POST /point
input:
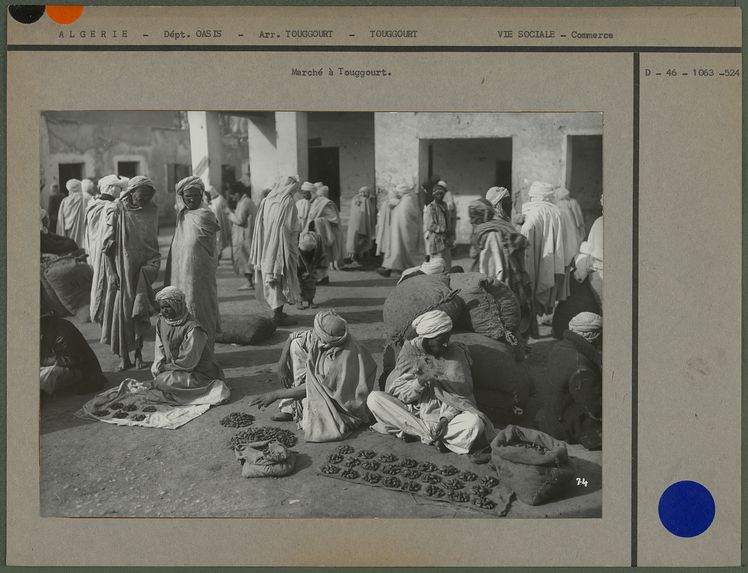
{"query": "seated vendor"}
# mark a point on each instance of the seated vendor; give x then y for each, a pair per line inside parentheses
(182, 357)
(327, 376)
(573, 404)
(429, 394)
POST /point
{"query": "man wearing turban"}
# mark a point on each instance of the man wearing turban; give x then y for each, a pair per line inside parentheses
(275, 249)
(326, 376)
(71, 218)
(399, 235)
(183, 357)
(589, 262)
(498, 250)
(99, 229)
(362, 223)
(439, 226)
(546, 250)
(324, 218)
(311, 258)
(131, 248)
(429, 394)
(193, 257)
(242, 230)
(573, 405)
(220, 208)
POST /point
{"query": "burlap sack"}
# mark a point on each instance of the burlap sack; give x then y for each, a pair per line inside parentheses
(412, 298)
(535, 477)
(245, 331)
(70, 280)
(265, 459)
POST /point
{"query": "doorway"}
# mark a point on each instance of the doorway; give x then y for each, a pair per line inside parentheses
(68, 171)
(324, 165)
(128, 169)
(584, 174)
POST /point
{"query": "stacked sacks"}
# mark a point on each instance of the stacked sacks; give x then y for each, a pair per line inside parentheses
(502, 384)
(412, 298)
(491, 308)
(66, 285)
(409, 300)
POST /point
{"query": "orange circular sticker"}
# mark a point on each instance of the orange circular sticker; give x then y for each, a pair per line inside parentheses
(64, 14)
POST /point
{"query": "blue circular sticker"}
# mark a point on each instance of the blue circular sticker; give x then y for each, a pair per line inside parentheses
(686, 509)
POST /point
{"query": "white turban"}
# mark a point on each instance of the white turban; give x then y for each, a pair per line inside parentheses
(88, 187)
(318, 184)
(306, 186)
(323, 191)
(112, 185)
(541, 191)
(495, 195)
(177, 300)
(434, 267)
(441, 183)
(587, 325)
(403, 189)
(432, 324)
(73, 185)
(561, 193)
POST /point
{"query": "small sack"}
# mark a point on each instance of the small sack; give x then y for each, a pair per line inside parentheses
(69, 278)
(245, 331)
(532, 464)
(265, 459)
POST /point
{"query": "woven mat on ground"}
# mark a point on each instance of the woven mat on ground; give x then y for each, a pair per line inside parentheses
(465, 489)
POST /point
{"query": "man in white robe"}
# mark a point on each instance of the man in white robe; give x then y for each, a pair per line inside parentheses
(546, 251)
(589, 262)
(401, 232)
(71, 218)
(275, 249)
(99, 231)
(429, 394)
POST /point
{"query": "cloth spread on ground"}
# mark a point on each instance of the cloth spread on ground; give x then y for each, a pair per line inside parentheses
(275, 249)
(338, 378)
(134, 245)
(192, 263)
(71, 218)
(159, 407)
(362, 223)
(471, 490)
(242, 231)
(99, 232)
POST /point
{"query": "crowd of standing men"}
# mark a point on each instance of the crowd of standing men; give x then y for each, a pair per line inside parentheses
(285, 246)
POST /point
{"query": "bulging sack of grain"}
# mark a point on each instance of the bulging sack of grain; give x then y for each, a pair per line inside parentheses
(532, 464)
(245, 331)
(69, 278)
(412, 298)
(491, 308)
(265, 459)
(502, 384)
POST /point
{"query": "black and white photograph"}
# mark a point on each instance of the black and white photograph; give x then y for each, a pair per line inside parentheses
(308, 314)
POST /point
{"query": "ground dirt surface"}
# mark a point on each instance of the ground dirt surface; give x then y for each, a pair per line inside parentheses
(90, 468)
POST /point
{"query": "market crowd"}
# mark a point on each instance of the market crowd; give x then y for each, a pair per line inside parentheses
(285, 247)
